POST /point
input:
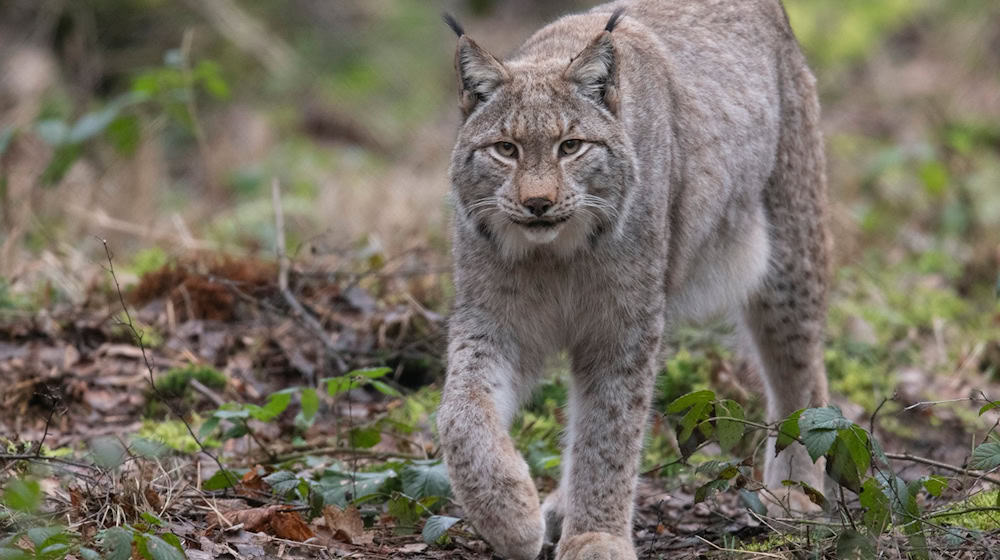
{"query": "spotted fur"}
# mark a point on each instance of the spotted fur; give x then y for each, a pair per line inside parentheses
(699, 190)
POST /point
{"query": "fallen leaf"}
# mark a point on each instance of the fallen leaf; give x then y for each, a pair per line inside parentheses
(273, 520)
(289, 525)
(413, 547)
(346, 525)
(253, 481)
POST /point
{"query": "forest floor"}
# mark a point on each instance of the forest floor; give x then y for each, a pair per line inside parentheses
(81, 416)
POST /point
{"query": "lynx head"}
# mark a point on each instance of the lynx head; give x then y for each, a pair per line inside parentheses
(541, 160)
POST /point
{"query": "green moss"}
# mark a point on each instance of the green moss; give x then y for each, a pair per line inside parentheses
(174, 434)
(175, 382)
(963, 514)
(148, 260)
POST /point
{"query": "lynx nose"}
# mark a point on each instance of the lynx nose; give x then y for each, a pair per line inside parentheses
(538, 205)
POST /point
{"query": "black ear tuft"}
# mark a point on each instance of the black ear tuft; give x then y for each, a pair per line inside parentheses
(614, 19)
(454, 25)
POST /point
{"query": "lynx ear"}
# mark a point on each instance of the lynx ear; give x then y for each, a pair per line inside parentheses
(595, 70)
(479, 72)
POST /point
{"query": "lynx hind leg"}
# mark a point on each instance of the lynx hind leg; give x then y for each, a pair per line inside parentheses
(787, 315)
(788, 337)
(489, 477)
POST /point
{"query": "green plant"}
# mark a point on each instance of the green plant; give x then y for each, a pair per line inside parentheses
(854, 460)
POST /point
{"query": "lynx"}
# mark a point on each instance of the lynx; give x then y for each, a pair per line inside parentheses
(637, 165)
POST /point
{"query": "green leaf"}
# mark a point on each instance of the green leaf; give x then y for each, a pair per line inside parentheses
(282, 482)
(174, 541)
(160, 549)
(152, 520)
(148, 448)
(276, 404)
(904, 506)
(209, 426)
(236, 431)
(386, 389)
(697, 414)
(841, 465)
(117, 543)
(208, 74)
(407, 513)
(729, 432)
(124, 134)
(340, 488)
(991, 405)
(818, 442)
(221, 480)
(364, 438)
(426, 478)
(88, 553)
(63, 158)
(852, 545)
(985, 457)
(371, 373)
(14, 554)
(23, 495)
(52, 551)
(691, 399)
(233, 413)
(108, 452)
(52, 131)
(40, 536)
(935, 484)
(825, 418)
(310, 403)
(436, 527)
(338, 385)
(788, 431)
(752, 502)
(94, 123)
(703, 492)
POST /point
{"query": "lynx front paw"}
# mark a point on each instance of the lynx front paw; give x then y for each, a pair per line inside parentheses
(595, 546)
(517, 538)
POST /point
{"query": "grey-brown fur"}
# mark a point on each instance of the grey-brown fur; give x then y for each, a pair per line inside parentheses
(699, 190)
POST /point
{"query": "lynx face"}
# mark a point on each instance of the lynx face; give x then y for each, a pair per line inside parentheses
(538, 162)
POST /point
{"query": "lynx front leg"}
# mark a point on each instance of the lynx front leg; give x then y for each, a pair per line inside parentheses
(609, 403)
(489, 477)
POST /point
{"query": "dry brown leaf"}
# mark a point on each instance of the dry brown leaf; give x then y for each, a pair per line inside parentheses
(253, 481)
(273, 520)
(346, 525)
(289, 525)
(412, 547)
(253, 519)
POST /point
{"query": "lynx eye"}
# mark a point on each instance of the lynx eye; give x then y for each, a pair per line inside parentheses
(570, 147)
(506, 149)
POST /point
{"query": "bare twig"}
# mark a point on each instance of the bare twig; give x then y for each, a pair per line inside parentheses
(940, 465)
(145, 358)
(311, 323)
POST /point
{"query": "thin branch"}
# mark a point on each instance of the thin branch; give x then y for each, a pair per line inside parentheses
(940, 465)
(145, 358)
(311, 323)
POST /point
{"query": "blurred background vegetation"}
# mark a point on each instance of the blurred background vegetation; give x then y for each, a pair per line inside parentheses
(159, 124)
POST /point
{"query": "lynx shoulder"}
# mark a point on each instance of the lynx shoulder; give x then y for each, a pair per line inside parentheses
(627, 168)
